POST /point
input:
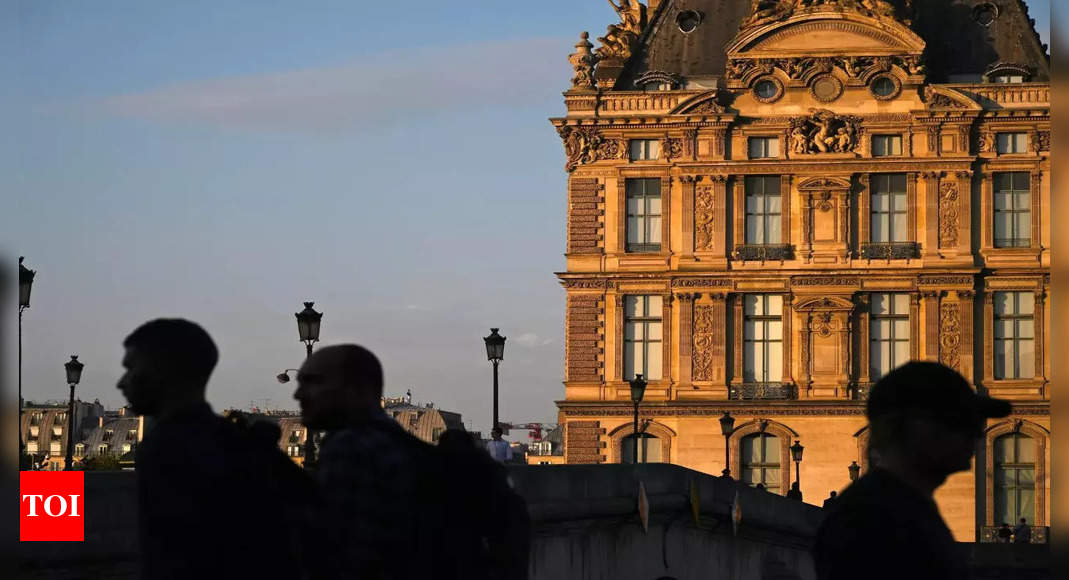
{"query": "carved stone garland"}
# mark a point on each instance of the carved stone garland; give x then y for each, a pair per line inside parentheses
(583, 145)
(704, 330)
(704, 215)
(949, 213)
(950, 335)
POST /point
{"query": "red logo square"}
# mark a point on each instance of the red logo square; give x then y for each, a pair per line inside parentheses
(52, 506)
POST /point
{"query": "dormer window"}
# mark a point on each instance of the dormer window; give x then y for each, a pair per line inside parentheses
(1008, 73)
(658, 81)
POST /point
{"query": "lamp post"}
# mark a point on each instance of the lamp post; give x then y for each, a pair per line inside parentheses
(854, 469)
(796, 454)
(638, 391)
(495, 353)
(74, 376)
(25, 286)
(727, 426)
(308, 329)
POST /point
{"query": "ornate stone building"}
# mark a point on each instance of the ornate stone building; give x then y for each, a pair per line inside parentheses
(772, 203)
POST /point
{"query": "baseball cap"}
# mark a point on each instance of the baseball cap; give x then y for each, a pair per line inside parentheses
(935, 390)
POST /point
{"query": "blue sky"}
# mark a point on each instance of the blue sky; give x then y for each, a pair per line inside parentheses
(224, 161)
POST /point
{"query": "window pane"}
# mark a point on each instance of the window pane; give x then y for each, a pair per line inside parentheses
(1025, 328)
(653, 205)
(633, 360)
(653, 359)
(880, 231)
(1024, 227)
(655, 230)
(633, 331)
(771, 445)
(1002, 142)
(1026, 449)
(1026, 363)
(901, 352)
(635, 235)
(1027, 506)
(1004, 303)
(772, 230)
(1003, 181)
(879, 146)
(1001, 358)
(775, 305)
(654, 308)
(653, 331)
(773, 147)
(772, 479)
(636, 150)
(1004, 450)
(1020, 143)
(756, 147)
(1026, 302)
(750, 305)
(880, 303)
(754, 230)
(775, 330)
(775, 362)
(747, 449)
(899, 228)
(1003, 512)
(633, 306)
(1021, 181)
(651, 447)
(1003, 329)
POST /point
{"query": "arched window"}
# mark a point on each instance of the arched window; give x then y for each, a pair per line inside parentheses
(649, 449)
(760, 455)
(1015, 478)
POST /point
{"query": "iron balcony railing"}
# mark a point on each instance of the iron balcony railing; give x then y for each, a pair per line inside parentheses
(763, 392)
(989, 535)
(890, 250)
(764, 252)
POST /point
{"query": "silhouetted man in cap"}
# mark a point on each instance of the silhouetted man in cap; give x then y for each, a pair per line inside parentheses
(924, 420)
(215, 501)
(381, 485)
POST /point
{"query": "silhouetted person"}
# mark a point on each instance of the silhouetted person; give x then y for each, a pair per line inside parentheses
(924, 420)
(1022, 533)
(490, 519)
(499, 449)
(760, 486)
(382, 486)
(213, 500)
(794, 492)
(1004, 533)
(831, 499)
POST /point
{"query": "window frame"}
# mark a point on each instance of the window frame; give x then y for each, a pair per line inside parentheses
(1016, 317)
(1017, 143)
(645, 320)
(650, 145)
(646, 218)
(770, 147)
(768, 217)
(1015, 241)
(749, 372)
(763, 466)
(891, 139)
(892, 317)
(891, 213)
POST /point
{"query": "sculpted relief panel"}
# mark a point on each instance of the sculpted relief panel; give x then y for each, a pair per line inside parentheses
(824, 132)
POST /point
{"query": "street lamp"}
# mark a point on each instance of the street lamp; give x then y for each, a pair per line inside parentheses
(25, 286)
(308, 330)
(638, 390)
(854, 469)
(727, 426)
(74, 376)
(308, 326)
(796, 454)
(495, 353)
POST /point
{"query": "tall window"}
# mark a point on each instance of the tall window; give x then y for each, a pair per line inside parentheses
(642, 337)
(643, 215)
(1015, 350)
(649, 449)
(645, 149)
(763, 209)
(1015, 479)
(888, 333)
(1013, 210)
(886, 145)
(1007, 79)
(889, 213)
(760, 455)
(1011, 143)
(55, 448)
(762, 338)
(763, 147)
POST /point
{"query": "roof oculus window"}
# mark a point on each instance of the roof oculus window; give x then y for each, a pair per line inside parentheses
(688, 21)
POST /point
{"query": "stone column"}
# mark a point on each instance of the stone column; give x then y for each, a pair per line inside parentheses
(930, 211)
(686, 337)
(666, 215)
(719, 358)
(788, 314)
(1039, 341)
(931, 324)
(785, 194)
(738, 373)
(987, 206)
(914, 325)
(1035, 181)
(964, 212)
(618, 336)
(968, 334)
(804, 336)
(864, 311)
(688, 213)
(988, 346)
(864, 205)
(666, 340)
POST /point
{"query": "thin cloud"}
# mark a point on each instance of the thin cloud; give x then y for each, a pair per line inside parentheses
(380, 89)
(532, 340)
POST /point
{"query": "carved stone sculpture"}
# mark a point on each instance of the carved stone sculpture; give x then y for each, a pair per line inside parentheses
(948, 214)
(824, 132)
(583, 61)
(620, 39)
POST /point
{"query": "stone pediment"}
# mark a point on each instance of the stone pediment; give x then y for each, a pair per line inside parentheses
(824, 303)
(822, 184)
(826, 34)
(944, 98)
(703, 104)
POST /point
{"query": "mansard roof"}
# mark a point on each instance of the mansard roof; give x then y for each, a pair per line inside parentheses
(959, 46)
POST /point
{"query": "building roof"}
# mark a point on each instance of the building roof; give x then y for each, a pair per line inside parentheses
(960, 47)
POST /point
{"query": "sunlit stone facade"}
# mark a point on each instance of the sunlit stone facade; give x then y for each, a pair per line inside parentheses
(770, 207)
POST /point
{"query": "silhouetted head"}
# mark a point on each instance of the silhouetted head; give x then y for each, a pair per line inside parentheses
(834, 493)
(928, 414)
(168, 362)
(457, 441)
(495, 433)
(1024, 520)
(338, 386)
